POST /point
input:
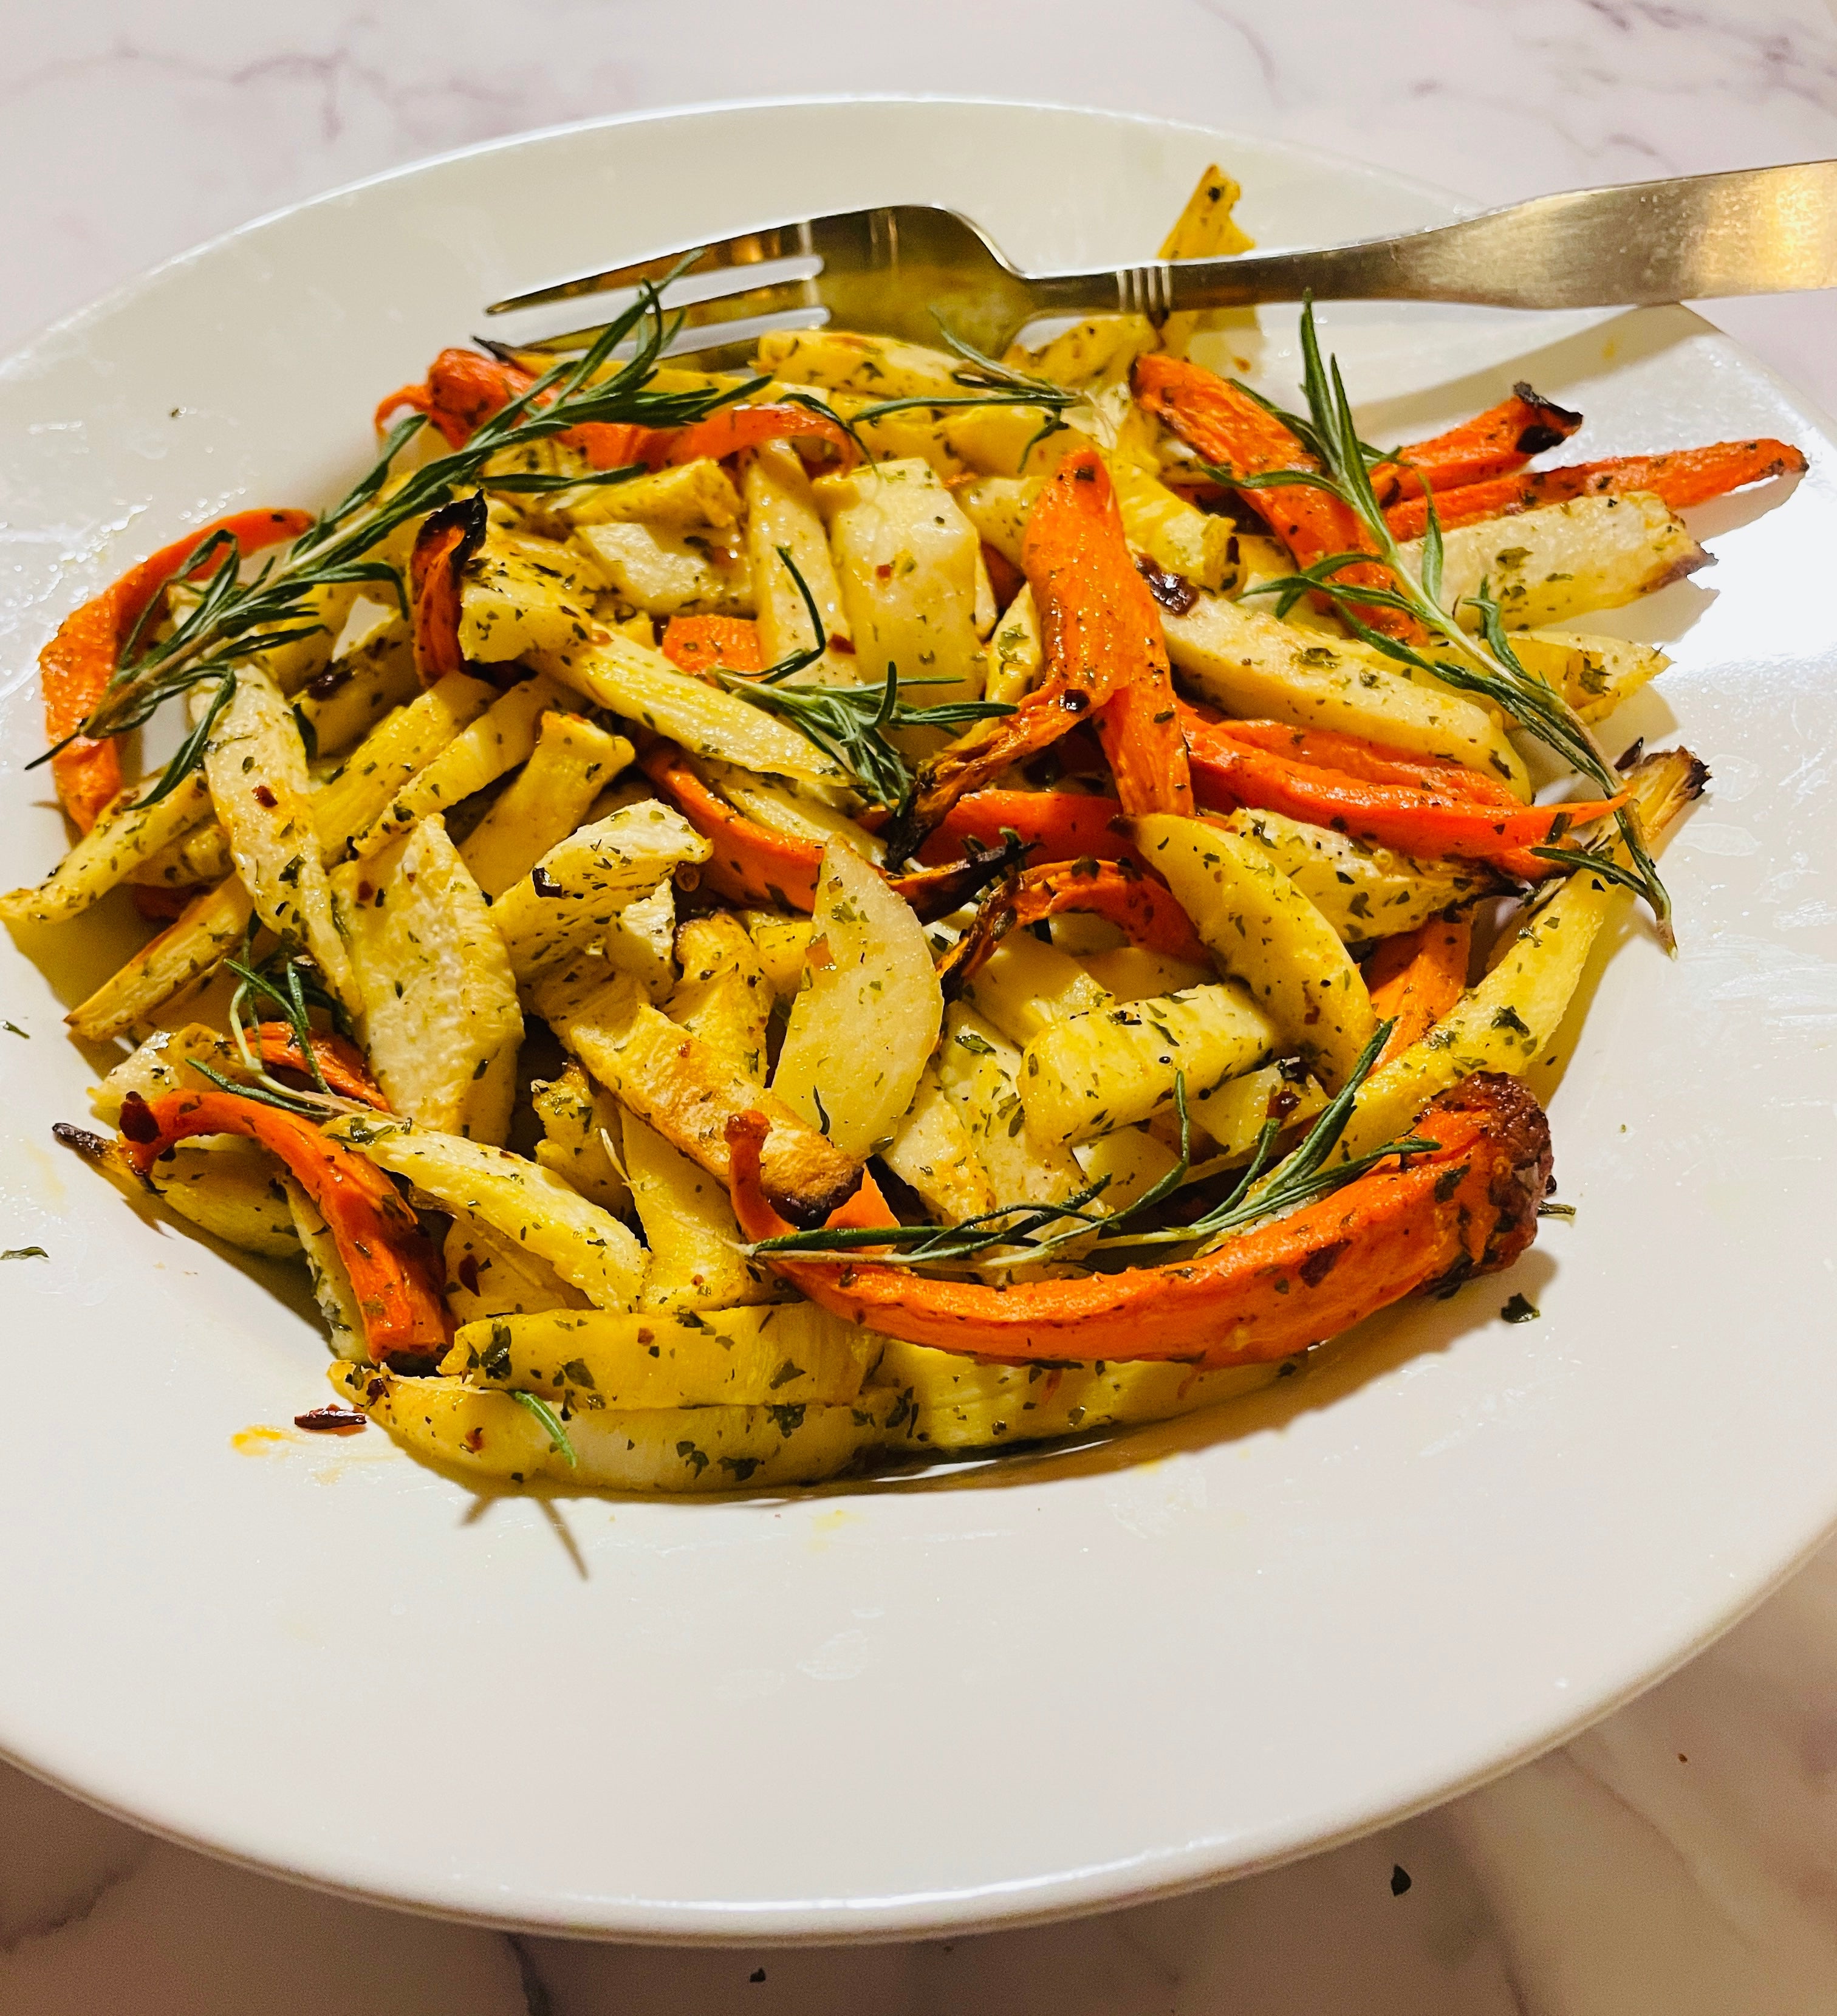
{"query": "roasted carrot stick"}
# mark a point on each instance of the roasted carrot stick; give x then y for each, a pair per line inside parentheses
(1059, 826)
(701, 644)
(341, 1064)
(1327, 749)
(750, 863)
(1681, 478)
(1504, 436)
(1103, 641)
(1415, 979)
(391, 1266)
(1228, 774)
(1138, 904)
(1468, 1207)
(1231, 430)
(75, 667)
(730, 429)
(447, 539)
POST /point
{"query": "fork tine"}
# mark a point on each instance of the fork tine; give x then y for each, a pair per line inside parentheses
(748, 304)
(746, 248)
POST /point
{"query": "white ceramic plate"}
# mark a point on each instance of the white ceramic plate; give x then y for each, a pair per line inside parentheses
(1027, 1689)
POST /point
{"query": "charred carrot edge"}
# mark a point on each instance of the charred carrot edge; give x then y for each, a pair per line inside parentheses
(1135, 902)
(1680, 479)
(731, 429)
(1415, 979)
(1231, 430)
(75, 667)
(1415, 821)
(391, 1268)
(749, 864)
(447, 539)
(700, 644)
(340, 1064)
(1372, 762)
(1504, 436)
(1468, 1207)
(1060, 826)
(1101, 633)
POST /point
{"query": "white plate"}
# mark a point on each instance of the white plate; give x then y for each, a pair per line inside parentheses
(1041, 1686)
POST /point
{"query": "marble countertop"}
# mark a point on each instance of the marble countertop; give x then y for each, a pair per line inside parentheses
(1682, 1857)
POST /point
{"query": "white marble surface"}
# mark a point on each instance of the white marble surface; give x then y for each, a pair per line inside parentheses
(1682, 1859)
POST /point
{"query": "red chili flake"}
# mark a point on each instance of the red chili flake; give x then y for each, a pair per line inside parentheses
(467, 1270)
(264, 797)
(544, 884)
(884, 571)
(332, 1421)
(137, 1122)
(364, 892)
(843, 645)
(474, 1439)
(376, 1389)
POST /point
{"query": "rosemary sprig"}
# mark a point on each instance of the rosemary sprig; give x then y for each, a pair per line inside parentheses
(850, 724)
(233, 620)
(1304, 1176)
(1485, 665)
(292, 984)
(550, 1421)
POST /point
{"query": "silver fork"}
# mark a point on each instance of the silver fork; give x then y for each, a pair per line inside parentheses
(904, 269)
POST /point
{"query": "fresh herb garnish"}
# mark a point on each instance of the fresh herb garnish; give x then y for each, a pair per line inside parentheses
(13, 1028)
(1520, 1308)
(1303, 1177)
(1485, 665)
(551, 1421)
(850, 724)
(231, 620)
(25, 1253)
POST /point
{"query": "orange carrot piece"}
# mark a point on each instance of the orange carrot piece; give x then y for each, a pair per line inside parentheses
(447, 539)
(1101, 633)
(701, 644)
(1229, 774)
(341, 1064)
(1680, 479)
(1138, 904)
(1232, 431)
(1415, 979)
(391, 1266)
(1504, 436)
(729, 429)
(750, 864)
(1327, 749)
(75, 667)
(1060, 826)
(1468, 1207)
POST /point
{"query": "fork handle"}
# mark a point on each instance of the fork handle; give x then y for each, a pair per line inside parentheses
(1752, 231)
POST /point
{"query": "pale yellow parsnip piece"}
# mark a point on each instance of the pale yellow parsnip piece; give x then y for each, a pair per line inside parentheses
(440, 1017)
(586, 1247)
(124, 838)
(478, 1432)
(1546, 566)
(572, 763)
(863, 1024)
(630, 679)
(780, 1355)
(931, 1151)
(696, 1261)
(397, 748)
(256, 771)
(1086, 1074)
(495, 744)
(1261, 929)
(781, 512)
(188, 950)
